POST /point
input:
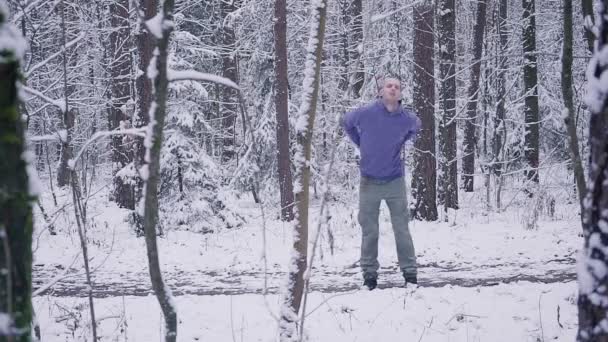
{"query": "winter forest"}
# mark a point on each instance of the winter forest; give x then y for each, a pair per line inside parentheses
(182, 170)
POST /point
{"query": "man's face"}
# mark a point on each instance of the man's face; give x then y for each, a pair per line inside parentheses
(391, 91)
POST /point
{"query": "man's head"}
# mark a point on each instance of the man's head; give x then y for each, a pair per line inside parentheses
(389, 89)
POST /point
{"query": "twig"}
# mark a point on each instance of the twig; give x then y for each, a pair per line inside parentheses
(140, 132)
(58, 278)
(540, 318)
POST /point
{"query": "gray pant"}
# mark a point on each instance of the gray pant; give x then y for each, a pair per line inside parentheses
(371, 193)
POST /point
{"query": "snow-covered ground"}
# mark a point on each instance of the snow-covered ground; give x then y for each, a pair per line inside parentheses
(471, 272)
(514, 312)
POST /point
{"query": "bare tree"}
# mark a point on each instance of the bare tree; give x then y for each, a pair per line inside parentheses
(448, 180)
(570, 117)
(501, 94)
(282, 109)
(532, 118)
(425, 175)
(355, 11)
(589, 22)
(305, 127)
(470, 134)
(16, 196)
(593, 265)
(229, 106)
(143, 84)
(120, 90)
(69, 112)
(158, 73)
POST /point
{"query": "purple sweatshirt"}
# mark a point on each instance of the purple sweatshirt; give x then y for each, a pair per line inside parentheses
(380, 135)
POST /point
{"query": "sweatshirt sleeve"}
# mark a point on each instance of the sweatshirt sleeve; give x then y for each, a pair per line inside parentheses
(350, 123)
(413, 128)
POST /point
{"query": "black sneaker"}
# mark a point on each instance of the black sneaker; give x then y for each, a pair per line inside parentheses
(370, 281)
(410, 279)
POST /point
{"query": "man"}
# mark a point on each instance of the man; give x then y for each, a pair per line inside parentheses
(379, 130)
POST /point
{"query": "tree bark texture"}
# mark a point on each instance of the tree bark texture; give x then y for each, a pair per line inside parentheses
(282, 110)
(230, 71)
(15, 206)
(143, 85)
(120, 70)
(308, 107)
(68, 117)
(593, 266)
(425, 174)
(577, 164)
(154, 141)
(446, 23)
(589, 22)
(470, 131)
(355, 48)
(531, 112)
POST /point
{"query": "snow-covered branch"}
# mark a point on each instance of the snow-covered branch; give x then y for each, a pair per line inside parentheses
(57, 103)
(140, 132)
(73, 42)
(192, 75)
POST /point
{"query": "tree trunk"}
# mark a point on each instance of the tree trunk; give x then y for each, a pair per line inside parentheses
(120, 69)
(282, 110)
(69, 114)
(229, 105)
(154, 141)
(145, 46)
(446, 22)
(531, 140)
(307, 112)
(593, 263)
(355, 48)
(569, 104)
(470, 134)
(15, 202)
(425, 174)
(499, 120)
(589, 23)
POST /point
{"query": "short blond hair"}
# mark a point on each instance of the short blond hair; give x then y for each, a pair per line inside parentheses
(380, 81)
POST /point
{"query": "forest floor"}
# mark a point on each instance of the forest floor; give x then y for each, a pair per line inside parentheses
(482, 276)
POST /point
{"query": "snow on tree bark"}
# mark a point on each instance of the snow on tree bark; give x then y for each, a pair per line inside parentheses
(470, 134)
(161, 27)
(16, 195)
(570, 117)
(593, 259)
(448, 178)
(282, 110)
(424, 177)
(304, 130)
(531, 111)
(143, 85)
(120, 70)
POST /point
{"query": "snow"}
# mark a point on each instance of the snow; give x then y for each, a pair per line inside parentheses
(6, 322)
(34, 186)
(518, 312)
(155, 25)
(184, 75)
(10, 38)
